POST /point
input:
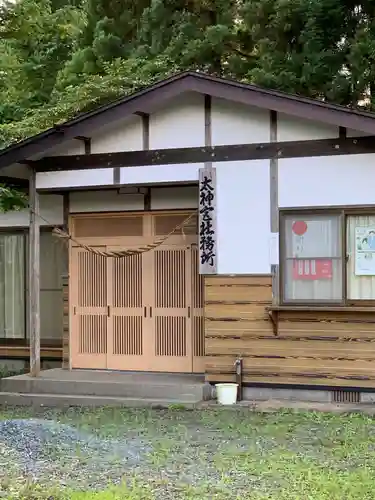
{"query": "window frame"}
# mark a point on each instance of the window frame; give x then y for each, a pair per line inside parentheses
(342, 213)
(24, 231)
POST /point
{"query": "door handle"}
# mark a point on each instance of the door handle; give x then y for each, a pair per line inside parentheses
(189, 312)
(145, 312)
(150, 312)
(74, 310)
(108, 311)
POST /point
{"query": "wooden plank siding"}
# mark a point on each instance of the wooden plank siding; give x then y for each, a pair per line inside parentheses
(314, 348)
(23, 352)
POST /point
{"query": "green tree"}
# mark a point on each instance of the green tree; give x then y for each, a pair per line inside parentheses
(41, 40)
(62, 57)
(12, 199)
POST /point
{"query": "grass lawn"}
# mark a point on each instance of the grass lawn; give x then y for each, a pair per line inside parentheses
(214, 454)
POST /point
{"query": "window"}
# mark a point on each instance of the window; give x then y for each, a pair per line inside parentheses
(14, 284)
(327, 257)
(360, 242)
(52, 253)
(313, 260)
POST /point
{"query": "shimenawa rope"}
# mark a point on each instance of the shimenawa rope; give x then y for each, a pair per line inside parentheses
(66, 237)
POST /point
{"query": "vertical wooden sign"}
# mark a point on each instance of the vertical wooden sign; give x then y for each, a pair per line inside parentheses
(207, 221)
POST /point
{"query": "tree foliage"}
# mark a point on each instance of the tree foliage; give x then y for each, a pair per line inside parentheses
(12, 199)
(63, 57)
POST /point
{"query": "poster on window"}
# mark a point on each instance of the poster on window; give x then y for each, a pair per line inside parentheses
(365, 251)
(312, 269)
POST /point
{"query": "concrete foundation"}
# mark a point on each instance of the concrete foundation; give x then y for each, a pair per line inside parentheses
(367, 397)
(58, 387)
(267, 393)
(97, 388)
(264, 394)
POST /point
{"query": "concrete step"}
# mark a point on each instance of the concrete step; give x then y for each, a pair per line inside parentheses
(158, 390)
(65, 400)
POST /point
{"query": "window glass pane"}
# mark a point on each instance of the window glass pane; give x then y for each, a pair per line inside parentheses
(361, 257)
(12, 285)
(312, 261)
(53, 254)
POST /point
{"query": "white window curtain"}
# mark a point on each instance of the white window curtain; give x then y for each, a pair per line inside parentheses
(359, 287)
(312, 261)
(12, 286)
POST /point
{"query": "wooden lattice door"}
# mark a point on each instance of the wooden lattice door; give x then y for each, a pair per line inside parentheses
(127, 339)
(89, 309)
(142, 312)
(170, 310)
(197, 312)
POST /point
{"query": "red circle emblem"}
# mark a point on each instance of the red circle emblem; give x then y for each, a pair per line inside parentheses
(299, 227)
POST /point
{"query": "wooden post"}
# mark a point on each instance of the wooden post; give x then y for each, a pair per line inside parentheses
(34, 277)
(274, 212)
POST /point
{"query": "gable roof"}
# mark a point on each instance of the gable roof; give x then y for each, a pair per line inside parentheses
(144, 100)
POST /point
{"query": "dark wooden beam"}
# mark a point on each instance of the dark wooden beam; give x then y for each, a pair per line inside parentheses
(342, 132)
(204, 154)
(87, 144)
(146, 145)
(146, 131)
(14, 182)
(86, 141)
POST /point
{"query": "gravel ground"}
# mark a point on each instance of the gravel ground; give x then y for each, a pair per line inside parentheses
(180, 454)
(46, 450)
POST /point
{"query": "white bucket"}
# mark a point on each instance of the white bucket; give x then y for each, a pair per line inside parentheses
(226, 394)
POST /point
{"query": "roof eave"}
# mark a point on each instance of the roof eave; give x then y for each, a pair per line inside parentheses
(183, 82)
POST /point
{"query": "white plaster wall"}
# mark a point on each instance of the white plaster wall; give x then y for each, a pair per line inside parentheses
(120, 136)
(184, 172)
(243, 217)
(129, 176)
(327, 181)
(51, 209)
(16, 170)
(356, 133)
(72, 147)
(174, 197)
(104, 201)
(233, 123)
(290, 128)
(77, 178)
(180, 124)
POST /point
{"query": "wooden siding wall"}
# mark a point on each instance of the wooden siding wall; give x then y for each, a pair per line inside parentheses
(315, 348)
(236, 324)
(65, 357)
